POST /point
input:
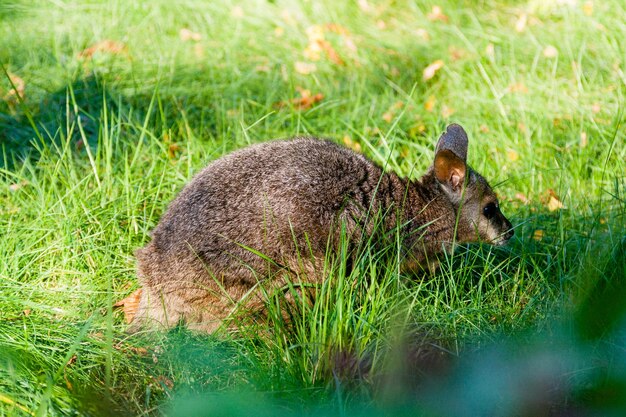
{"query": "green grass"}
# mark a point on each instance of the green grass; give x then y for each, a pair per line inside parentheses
(97, 148)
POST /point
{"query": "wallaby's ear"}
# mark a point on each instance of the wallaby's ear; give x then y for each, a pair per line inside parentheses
(450, 169)
(453, 139)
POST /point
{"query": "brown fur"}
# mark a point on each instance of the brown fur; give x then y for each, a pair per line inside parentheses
(286, 200)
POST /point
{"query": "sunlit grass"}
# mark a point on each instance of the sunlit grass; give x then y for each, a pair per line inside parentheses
(98, 147)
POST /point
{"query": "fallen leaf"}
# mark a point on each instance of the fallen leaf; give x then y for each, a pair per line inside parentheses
(164, 381)
(588, 8)
(237, 12)
(602, 220)
(330, 52)
(521, 197)
(364, 6)
(279, 31)
(105, 46)
(172, 150)
(305, 68)
(262, 68)
(315, 33)
(26, 312)
(305, 101)
(187, 35)
(512, 155)
(129, 305)
(338, 29)
(518, 87)
(583, 139)
(446, 111)
(429, 105)
(18, 87)
(490, 50)
(355, 146)
(388, 117)
(520, 24)
(422, 33)
(554, 204)
(456, 53)
(484, 129)
(380, 24)
(538, 235)
(595, 108)
(550, 51)
(18, 185)
(313, 51)
(436, 14)
(522, 127)
(430, 71)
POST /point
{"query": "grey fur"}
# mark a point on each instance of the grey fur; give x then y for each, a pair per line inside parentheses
(286, 200)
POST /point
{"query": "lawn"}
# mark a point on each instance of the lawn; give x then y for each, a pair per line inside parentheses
(108, 108)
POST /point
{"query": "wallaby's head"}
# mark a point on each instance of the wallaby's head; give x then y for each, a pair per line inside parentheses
(477, 210)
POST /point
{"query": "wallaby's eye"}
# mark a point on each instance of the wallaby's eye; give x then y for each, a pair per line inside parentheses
(490, 210)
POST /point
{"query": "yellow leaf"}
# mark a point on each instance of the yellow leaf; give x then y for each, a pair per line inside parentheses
(108, 46)
(20, 87)
(550, 51)
(512, 155)
(430, 104)
(430, 71)
(521, 197)
(279, 31)
(187, 35)
(484, 128)
(388, 117)
(305, 68)
(520, 24)
(517, 88)
(554, 204)
(588, 8)
(538, 235)
(355, 146)
(436, 14)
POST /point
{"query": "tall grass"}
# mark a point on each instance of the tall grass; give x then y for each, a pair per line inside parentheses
(97, 147)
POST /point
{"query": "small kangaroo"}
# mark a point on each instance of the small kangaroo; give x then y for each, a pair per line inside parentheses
(274, 209)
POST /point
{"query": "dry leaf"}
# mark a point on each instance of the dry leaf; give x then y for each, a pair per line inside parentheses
(588, 8)
(484, 129)
(305, 101)
(338, 29)
(429, 105)
(554, 204)
(436, 14)
(279, 31)
(430, 71)
(388, 117)
(456, 53)
(550, 51)
(512, 155)
(330, 52)
(355, 146)
(521, 197)
(129, 305)
(446, 111)
(365, 6)
(517, 88)
(187, 35)
(538, 235)
(520, 24)
(305, 68)
(490, 50)
(262, 68)
(237, 12)
(522, 127)
(313, 51)
(315, 33)
(17, 186)
(26, 312)
(380, 24)
(105, 46)
(422, 33)
(18, 87)
(595, 108)
(583, 139)
(172, 150)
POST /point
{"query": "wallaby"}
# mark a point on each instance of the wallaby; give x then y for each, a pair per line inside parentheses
(273, 209)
